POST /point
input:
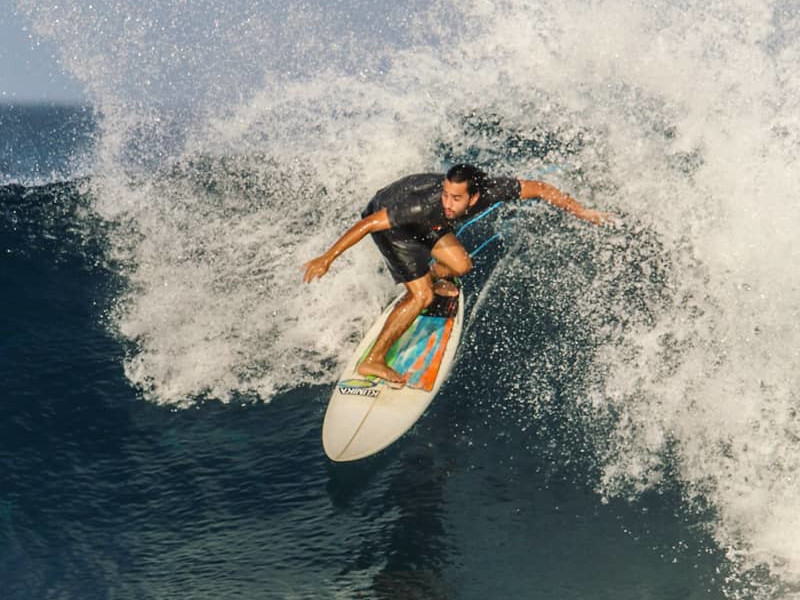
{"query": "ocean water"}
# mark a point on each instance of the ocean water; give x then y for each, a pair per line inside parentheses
(622, 418)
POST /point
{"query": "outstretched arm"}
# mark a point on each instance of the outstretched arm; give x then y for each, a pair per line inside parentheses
(554, 196)
(317, 267)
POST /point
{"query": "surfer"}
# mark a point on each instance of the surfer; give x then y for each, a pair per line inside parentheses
(411, 221)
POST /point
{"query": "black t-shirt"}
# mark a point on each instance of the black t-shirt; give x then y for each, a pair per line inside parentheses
(414, 203)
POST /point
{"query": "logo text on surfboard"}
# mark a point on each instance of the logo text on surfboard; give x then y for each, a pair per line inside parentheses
(359, 387)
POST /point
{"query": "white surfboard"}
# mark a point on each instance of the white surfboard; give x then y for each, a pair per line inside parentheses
(365, 415)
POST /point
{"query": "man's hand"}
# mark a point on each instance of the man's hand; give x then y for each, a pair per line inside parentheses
(596, 217)
(378, 221)
(316, 268)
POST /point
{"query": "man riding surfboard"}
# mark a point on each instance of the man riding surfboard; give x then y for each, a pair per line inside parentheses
(411, 221)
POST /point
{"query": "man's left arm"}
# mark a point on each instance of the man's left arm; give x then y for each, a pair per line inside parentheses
(552, 195)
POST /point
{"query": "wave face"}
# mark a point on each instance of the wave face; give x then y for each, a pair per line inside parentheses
(236, 140)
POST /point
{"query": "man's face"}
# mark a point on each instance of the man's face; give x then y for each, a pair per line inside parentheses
(456, 199)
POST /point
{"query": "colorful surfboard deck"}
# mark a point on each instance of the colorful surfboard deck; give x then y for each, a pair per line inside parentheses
(365, 414)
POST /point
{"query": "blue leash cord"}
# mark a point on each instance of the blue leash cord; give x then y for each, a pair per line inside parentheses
(475, 219)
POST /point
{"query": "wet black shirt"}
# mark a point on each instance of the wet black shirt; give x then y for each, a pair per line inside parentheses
(414, 203)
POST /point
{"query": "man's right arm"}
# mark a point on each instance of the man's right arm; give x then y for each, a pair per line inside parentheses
(552, 195)
(378, 221)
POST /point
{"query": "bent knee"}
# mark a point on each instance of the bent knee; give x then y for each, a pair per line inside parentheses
(462, 267)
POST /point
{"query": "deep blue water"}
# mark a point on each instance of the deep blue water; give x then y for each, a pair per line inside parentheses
(44, 142)
(105, 494)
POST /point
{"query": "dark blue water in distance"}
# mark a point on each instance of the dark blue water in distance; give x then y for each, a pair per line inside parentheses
(105, 494)
(44, 142)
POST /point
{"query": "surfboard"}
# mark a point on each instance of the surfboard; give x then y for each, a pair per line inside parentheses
(366, 414)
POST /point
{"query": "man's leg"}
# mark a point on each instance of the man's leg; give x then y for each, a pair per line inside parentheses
(419, 294)
(450, 260)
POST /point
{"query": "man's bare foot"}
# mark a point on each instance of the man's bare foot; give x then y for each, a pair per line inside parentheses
(379, 369)
(442, 287)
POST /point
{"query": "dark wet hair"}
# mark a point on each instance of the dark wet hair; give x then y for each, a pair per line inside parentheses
(474, 177)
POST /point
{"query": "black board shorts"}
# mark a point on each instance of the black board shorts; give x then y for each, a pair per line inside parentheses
(408, 257)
